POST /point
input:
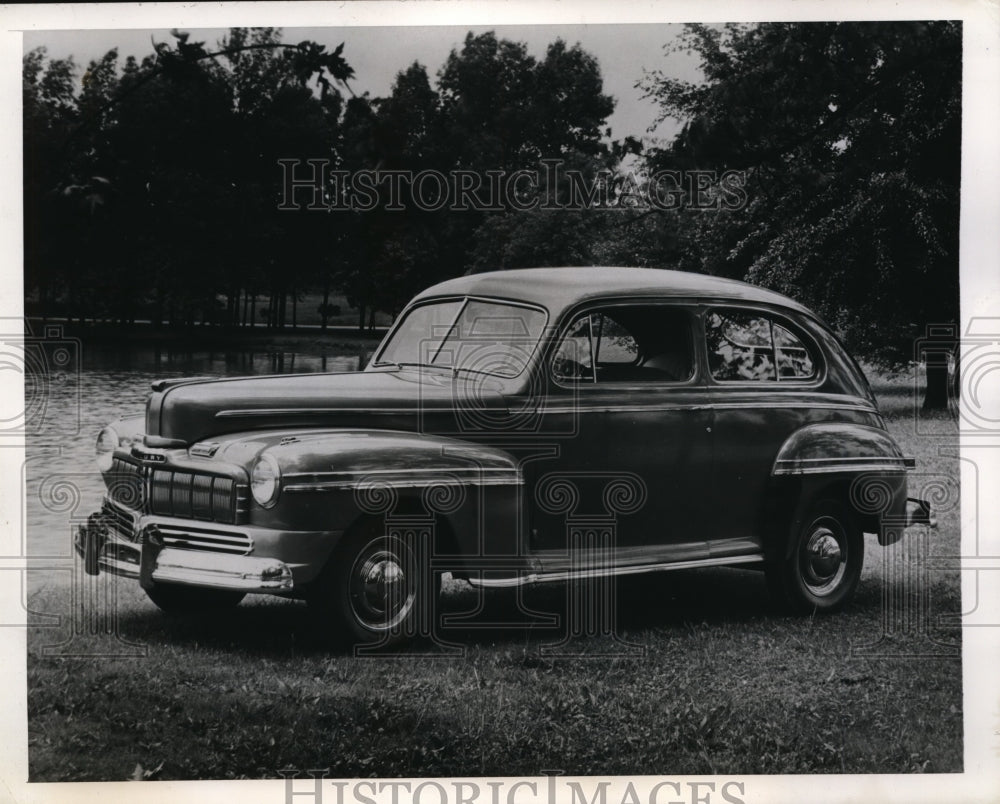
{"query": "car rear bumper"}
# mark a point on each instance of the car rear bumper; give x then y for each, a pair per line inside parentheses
(918, 512)
(911, 512)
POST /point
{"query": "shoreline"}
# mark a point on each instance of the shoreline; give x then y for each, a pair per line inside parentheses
(302, 338)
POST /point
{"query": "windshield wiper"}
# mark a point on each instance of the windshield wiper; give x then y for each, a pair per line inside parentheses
(397, 364)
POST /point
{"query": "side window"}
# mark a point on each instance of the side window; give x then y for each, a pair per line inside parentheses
(745, 346)
(614, 345)
(642, 343)
(573, 357)
(794, 361)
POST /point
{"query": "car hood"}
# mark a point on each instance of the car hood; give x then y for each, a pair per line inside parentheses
(189, 410)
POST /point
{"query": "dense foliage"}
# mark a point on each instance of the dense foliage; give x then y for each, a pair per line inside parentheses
(849, 135)
(163, 179)
(154, 189)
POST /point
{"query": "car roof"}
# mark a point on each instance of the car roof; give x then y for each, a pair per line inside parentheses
(560, 288)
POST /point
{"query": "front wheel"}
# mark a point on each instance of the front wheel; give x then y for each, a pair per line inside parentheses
(824, 566)
(185, 600)
(377, 588)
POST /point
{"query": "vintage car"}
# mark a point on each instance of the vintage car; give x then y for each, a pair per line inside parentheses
(514, 427)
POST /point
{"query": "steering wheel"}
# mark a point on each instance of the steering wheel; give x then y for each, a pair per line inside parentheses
(567, 369)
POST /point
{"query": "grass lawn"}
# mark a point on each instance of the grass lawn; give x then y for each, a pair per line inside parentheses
(724, 682)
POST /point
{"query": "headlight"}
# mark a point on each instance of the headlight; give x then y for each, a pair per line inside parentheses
(265, 481)
(107, 443)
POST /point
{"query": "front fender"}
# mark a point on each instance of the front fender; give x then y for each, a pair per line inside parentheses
(331, 479)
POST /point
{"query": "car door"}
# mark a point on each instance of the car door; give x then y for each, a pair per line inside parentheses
(635, 460)
(764, 374)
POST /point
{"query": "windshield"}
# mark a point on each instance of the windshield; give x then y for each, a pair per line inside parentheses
(466, 334)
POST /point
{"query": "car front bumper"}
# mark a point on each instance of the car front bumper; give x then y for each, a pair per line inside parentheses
(155, 550)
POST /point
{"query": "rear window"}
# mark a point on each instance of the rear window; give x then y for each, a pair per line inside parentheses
(753, 347)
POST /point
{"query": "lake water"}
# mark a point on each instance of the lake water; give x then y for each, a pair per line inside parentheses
(67, 409)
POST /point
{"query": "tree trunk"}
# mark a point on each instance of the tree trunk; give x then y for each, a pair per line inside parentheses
(936, 395)
(361, 316)
(43, 300)
(326, 302)
(956, 380)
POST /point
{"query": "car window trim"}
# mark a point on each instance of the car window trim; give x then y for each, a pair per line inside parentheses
(465, 299)
(590, 306)
(451, 329)
(773, 316)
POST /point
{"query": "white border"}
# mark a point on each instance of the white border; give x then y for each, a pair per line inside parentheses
(980, 276)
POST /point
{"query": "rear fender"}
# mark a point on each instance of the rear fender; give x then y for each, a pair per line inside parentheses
(860, 465)
(838, 447)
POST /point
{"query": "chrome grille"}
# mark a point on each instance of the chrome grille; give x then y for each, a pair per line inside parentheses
(187, 495)
(120, 520)
(126, 485)
(159, 489)
(195, 538)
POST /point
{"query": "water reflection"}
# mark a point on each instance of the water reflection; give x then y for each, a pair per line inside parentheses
(171, 361)
(61, 482)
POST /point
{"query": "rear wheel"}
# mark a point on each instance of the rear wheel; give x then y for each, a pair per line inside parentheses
(182, 600)
(824, 566)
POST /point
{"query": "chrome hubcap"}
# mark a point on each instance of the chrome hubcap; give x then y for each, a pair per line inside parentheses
(382, 592)
(823, 560)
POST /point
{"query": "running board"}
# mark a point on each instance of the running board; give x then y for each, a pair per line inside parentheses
(607, 572)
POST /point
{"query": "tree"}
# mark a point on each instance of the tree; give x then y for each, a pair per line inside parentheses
(501, 109)
(278, 113)
(163, 181)
(49, 108)
(505, 110)
(494, 108)
(849, 136)
(406, 128)
(162, 175)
